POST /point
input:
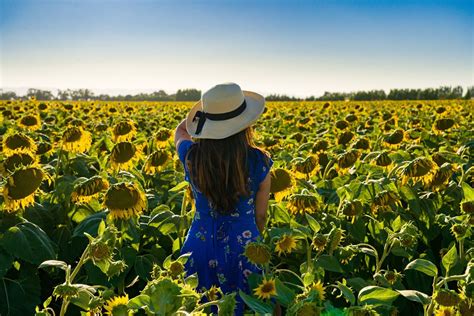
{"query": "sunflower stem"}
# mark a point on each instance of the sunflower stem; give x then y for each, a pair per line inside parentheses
(82, 260)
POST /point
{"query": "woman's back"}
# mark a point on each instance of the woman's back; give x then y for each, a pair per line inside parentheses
(217, 241)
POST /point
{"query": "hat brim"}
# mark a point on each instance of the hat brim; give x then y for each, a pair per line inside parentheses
(222, 129)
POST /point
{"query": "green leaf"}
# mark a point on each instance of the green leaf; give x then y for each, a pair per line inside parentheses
(285, 295)
(28, 242)
(180, 186)
(255, 304)
(312, 223)
(468, 192)
(143, 266)
(329, 263)
(346, 291)
(450, 258)
(425, 266)
(377, 295)
(89, 225)
(54, 263)
(19, 296)
(415, 296)
(139, 302)
(6, 261)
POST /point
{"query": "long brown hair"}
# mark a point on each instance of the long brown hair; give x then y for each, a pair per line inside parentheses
(219, 168)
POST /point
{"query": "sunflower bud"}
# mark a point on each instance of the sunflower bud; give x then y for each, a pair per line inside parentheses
(65, 291)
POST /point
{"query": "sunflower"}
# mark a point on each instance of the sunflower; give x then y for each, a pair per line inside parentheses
(123, 155)
(125, 200)
(257, 253)
(318, 289)
(76, 140)
(420, 168)
(265, 289)
(442, 175)
(16, 142)
(162, 137)
(305, 167)
(281, 183)
(156, 161)
(117, 306)
(395, 138)
(445, 311)
(347, 159)
(214, 293)
(30, 122)
(84, 191)
(319, 242)
(303, 203)
(443, 124)
(19, 191)
(124, 131)
(285, 244)
(17, 160)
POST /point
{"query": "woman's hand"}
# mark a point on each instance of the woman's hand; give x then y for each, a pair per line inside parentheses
(181, 133)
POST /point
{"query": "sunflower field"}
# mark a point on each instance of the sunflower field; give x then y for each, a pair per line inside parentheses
(371, 210)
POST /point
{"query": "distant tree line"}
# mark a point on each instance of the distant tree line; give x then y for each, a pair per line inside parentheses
(441, 93)
(86, 94)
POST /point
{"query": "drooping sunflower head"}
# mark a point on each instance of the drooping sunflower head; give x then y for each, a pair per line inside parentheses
(123, 155)
(383, 159)
(86, 190)
(420, 168)
(117, 306)
(257, 253)
(265, 289)
(124, 131)
(305, 167)
(347, 159)
(285, 244)
(395, 138)
(385, 200)
(17, 142)
(76, 140)
(319, 242)
(20, 188)
(441, 175)
(303, 203)
(30, 122)
(156, 161)
(15, 161)
(345, 138)
(352, 208)
(361, 143)
(162, 137)
(281, 183)
(443, 124)
(447, 297)
(125, 200)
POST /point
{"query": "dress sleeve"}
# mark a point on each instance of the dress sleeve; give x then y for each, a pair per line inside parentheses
(263, 167)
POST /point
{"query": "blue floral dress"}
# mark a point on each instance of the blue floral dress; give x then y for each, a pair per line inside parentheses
(217, 241)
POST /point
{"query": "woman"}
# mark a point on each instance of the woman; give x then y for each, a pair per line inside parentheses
(230, 181)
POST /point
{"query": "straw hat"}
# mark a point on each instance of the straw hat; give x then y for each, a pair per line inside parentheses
(224, 110)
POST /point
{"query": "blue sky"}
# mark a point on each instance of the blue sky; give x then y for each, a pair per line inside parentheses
(295, 47)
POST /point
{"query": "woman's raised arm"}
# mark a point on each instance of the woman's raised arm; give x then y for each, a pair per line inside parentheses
(181, 133)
